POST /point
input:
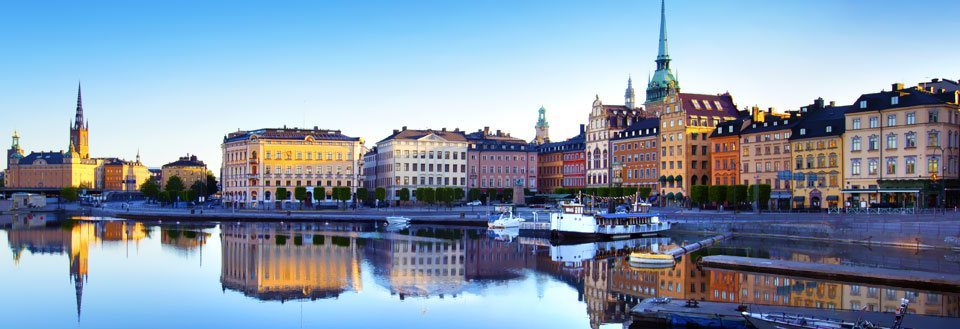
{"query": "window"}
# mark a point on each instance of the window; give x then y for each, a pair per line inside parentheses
(855, 144)
(803, 131)
(933, 138)
(855, 166)
(894, 100)
(910, 140)
(863, 104)
(891, 166)
(911, 118)
(891, 141)
(874, 122)
(911, 165)
(891, 120)
(873, 143)
(856, 123)
(934, 116)
(933, 165)
(829, 129)
(872, 165)
(833, 160)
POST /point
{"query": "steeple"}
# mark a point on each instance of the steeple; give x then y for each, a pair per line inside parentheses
(542, 127)
(663, 81)
(629, 97)
(78, 121)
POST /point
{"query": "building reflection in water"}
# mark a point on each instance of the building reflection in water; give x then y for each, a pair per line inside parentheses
(288, 262)
(420, 262)
(39, 234)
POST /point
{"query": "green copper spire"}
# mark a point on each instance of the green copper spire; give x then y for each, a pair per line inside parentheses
(663, 81)
(662, 52)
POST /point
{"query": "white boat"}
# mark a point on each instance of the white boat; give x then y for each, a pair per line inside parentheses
(572, 222)
(787, 321)
(651, 260)
(396, 220)
(504, 234)
(505, 220)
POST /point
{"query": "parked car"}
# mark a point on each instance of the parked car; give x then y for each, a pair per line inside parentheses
(475, 203)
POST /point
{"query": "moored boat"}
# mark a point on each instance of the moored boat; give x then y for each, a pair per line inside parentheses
(505, 220)
(788, 321)
(651, 260)
(573, 223)
(396, 220)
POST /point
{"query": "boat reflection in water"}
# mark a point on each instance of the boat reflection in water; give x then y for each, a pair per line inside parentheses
(586, 285)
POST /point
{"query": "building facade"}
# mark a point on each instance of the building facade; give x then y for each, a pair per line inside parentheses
(765, 154)
(725, 152)
(604, 122)
(818, 150)
(123, 175)
(636, 154)
(901, 148)
(188, 168)
(258, 162)
(574, 162)
(411, 158)
(498, 161)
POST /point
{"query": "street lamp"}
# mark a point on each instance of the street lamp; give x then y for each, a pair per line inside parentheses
(943, 183)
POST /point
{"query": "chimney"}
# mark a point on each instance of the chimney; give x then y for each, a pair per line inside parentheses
(935, 80)
(444, 129)
(316, 128)
(897, 86)
(486, 130)
(404, 128)
(396, 131)
(818, 102)
(499, 133)
(583, 128)
(833, 103)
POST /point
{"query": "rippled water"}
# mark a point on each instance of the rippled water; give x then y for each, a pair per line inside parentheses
(109, 273)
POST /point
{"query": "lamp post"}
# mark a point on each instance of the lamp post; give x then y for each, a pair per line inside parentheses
(943, 183)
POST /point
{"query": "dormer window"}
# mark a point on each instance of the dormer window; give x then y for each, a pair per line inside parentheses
(730, 128)
(717, 104)
(863, 104)
(894, 100)
(803, 131)
(803, 109)
(829, 129)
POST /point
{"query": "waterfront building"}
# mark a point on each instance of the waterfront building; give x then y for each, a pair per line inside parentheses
(188, 168)
(901, 148)
(603, 124)
(258, 162)
(818, 150)
(497, 160)
(574, 161)
(686, 120)
(725, 152)
(636, 154)
(542, 128)
(765, 153)
(290, 263)
(411, 158)
(550, 166)
(123, 175)
(370, 169)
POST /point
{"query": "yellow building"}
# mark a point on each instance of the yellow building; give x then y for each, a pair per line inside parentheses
(818, 157)
(765, 153)
(188, 168)
(257, 162)
(122, 175)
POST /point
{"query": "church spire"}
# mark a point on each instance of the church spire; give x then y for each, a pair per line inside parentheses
(662, 52)
(78, 121)
(663, 81)
(629, 96)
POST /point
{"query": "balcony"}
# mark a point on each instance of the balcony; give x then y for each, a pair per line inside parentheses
(254, 161)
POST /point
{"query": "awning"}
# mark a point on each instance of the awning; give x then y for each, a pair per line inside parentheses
(833, 198)
(798, 198)
(780, 195)
(855, 191)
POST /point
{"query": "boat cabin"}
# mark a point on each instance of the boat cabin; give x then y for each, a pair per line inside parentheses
(626, 219)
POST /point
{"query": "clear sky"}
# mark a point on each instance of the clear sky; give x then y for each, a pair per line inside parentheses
(173, 77)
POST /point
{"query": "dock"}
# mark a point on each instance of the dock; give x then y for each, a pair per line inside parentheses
(837, 272)
(725, 315)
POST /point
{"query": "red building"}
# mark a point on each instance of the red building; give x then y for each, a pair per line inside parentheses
(635, 154)
(574, 162)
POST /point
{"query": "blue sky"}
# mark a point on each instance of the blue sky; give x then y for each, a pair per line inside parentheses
(172, 77)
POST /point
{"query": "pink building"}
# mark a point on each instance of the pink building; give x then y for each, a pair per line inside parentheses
(498, 161)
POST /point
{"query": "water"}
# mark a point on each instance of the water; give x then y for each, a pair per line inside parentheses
(109, 273)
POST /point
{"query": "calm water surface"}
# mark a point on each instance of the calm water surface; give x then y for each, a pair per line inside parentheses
(110, 274)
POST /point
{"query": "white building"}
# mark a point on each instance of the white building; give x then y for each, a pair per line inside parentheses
(421, 158)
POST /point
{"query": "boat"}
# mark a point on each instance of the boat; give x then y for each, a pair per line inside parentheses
(504, 234)
(651, 260)
(396, 220)
(787, 321)
(505, 219)
(574, 223)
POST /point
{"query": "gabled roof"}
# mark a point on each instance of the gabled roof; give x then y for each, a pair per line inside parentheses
(49, 157)
(575, 143)
(415, 134)
(884, 100)
(697, 104)
(729, 128)
(188, 161)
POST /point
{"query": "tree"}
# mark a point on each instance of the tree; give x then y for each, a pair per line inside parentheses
(444, 195)
(644, 192)
(281, 195)
(319, 193)
(603, 191)
(492, 196)
(363, 194)
(164, 197)
(211, 184)
(174, 186)
(300, 193)
(737, 194)
(380, 194)
(187, 195)
(341, 194)
(150, 189)
(764, 190)
(199, 189)
(404, 194)
(70, 193)
(717, 193)
(458, 194)
(699, 194)
(475, 194)
(426, 195)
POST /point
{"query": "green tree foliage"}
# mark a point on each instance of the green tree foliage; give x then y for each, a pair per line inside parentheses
(342, 194)
(363, 194)
(764, 190)
(380, 194)
(211, 184)
(404, 194)
(458, 194)
(319, 193)
(164, 197)
(603, 191)
(300, 193)
(644, 192)
(475, 194)
(717, 193)
(699, 194)
(70, 194)
(492, 196)
(150, 189)
(737, 194)
(282, 194)
(174, 186)
(199, 189)
(426, 195)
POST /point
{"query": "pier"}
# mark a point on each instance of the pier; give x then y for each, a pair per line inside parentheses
(837, 272)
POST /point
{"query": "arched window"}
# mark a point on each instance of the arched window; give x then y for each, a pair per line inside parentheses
(799, 162)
